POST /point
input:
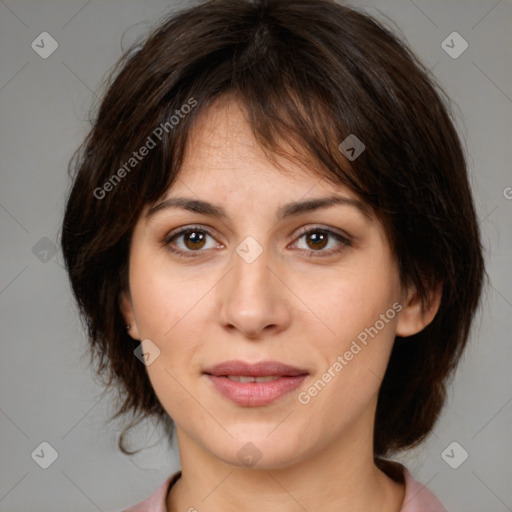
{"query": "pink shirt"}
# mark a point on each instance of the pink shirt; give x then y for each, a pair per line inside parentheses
(417, 497)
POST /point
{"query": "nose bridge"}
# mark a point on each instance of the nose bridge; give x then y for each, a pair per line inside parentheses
(252, 298)
(251, 268)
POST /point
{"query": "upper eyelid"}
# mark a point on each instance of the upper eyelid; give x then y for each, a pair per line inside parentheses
(180, 231)
(320, 227)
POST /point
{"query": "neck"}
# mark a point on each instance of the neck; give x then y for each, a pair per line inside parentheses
(342, 478)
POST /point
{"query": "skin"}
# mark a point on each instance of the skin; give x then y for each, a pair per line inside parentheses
(289, 305)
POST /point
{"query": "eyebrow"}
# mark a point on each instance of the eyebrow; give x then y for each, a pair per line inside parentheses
(285, 211)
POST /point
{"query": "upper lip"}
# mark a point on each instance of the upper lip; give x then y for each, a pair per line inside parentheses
(260, 369)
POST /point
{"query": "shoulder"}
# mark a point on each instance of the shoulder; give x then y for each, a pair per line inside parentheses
(418, 498)
(156, 502)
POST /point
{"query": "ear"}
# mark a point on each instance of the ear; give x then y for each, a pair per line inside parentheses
(126, 307)
(415, 316)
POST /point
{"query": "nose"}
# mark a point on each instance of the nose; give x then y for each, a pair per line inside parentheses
(254, 299)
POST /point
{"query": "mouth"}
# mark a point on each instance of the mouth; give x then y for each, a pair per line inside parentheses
(246, 378)
(253, 385)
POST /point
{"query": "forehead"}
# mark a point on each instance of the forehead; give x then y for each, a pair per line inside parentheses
(222, 157)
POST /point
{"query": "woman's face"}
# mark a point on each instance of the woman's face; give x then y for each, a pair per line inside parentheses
(251, 287)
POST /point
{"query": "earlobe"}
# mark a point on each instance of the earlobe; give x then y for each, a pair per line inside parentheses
(126, 308)
(415, 315)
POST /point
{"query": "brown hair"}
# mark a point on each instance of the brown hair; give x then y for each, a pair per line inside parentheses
(309, 73)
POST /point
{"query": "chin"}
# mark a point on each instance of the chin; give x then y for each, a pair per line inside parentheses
(253, 448)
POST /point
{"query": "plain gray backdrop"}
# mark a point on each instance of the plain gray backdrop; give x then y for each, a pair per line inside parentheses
(47, 392)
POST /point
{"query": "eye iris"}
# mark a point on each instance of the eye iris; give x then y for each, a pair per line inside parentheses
(194, 239)
(319, 240)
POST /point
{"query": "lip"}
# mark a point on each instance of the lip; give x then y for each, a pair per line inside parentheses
(260, 369)
(255, 394)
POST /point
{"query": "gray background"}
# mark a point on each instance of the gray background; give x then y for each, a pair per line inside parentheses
(47, 392)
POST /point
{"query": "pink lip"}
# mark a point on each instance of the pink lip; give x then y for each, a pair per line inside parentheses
(253, 394)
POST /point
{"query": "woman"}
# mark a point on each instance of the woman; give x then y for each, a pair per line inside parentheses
(272, 239)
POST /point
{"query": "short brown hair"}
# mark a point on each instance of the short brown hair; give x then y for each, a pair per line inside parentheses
(309, 73)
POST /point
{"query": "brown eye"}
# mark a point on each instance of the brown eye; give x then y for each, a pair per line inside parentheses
(317, 239)
(189, 241)
(194, 239)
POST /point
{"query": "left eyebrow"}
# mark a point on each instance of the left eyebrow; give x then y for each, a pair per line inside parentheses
(285, 211)
(298, 207)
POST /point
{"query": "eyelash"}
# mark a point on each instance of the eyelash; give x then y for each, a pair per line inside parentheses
(345, 241)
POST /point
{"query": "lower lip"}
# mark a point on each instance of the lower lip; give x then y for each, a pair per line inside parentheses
(254, 394)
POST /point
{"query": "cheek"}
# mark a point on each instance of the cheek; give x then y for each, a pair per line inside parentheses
(352, 301)
(349, 375)
(360, 309)
(171, 391)
(161, 297)
(166, 307)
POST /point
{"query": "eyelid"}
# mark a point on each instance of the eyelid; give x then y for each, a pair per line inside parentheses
(320, 227)
(190, 227)
(210, 230)
(344, 238)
